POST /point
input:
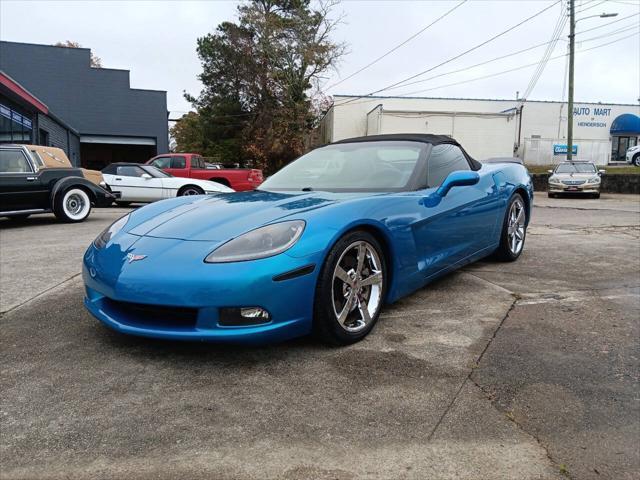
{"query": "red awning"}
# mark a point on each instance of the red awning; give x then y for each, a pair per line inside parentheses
(18, 90)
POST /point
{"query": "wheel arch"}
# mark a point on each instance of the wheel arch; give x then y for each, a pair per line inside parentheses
(64, 184)
(221, 180)
(526, 199)
(188, 185)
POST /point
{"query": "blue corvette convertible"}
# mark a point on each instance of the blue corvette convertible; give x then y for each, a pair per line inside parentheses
(320, 247)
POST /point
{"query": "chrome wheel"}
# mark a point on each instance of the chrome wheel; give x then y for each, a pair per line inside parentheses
(357, 286)
(516, 226)
(191, 191)
(76, 205)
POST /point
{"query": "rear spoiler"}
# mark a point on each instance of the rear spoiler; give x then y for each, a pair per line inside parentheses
(504, 160)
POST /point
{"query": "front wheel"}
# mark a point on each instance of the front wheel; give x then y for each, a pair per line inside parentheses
(514, 230)
(190, 190)
(73, 205)
(636, 160)
(350, 290)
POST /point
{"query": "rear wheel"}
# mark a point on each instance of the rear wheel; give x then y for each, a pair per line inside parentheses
(350, 290)
(190, 190)
(73, 205)
(514, 230)
(636, 160)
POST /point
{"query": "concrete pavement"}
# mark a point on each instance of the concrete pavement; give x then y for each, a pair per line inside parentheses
(517, 371)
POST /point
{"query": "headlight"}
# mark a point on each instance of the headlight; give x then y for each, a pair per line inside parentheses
(554, 180)
(594, 180)
(103, 184)
(108, 233)
(259, 243)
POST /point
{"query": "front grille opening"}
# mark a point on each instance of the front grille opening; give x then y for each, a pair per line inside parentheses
(145, 315)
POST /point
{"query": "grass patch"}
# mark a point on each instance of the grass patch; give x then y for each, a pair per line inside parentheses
(625, 170)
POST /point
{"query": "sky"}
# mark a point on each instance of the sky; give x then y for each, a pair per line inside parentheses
(156, 41)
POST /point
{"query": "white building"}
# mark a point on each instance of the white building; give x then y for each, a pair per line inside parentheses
(535, 131)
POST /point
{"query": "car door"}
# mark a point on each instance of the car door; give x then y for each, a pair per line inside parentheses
(20, 185)
(136, 185)
(460, 224)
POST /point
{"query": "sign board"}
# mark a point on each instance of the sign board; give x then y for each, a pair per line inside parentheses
(562, 149)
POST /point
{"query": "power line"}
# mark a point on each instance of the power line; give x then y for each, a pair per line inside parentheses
(560, 24)
(608, 23)
(502, 57)
(397, 46)
(460, 54)
(516, 68)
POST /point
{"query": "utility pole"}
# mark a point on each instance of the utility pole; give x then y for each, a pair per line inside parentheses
(572, 46)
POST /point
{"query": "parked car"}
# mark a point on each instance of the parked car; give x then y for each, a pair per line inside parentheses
(320, 246)
(29, 185)
(633, 155)
(575, 177)
(145, 183)
(192, 165)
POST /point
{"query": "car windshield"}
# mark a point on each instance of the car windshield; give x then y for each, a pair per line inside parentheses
(576, 168)
(155, 172)
(360, 166)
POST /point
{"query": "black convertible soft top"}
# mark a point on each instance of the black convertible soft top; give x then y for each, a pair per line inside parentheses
(414, 137)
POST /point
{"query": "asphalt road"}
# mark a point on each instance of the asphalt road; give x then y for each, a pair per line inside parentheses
(526, 370)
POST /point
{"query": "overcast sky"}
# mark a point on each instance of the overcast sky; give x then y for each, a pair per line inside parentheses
(156, 40)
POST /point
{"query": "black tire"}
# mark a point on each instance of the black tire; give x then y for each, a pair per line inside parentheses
(190, 190)
(551, 195)
(325, 321)
(73, 205)
(596, 195)
(19, 218)
(636, 160)
(505, 252)
(123, 204)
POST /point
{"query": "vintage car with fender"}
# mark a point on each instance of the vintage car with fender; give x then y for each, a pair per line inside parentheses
(35, 179)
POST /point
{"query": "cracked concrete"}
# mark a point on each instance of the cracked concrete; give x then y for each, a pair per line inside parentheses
(496, 372)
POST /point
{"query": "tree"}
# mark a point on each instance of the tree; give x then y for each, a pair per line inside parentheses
(96, 62)
(258, 74)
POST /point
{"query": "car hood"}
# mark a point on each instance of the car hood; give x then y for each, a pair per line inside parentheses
(575, 176)
(224, 216)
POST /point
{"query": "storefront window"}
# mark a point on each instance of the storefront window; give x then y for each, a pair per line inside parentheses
(14, 127)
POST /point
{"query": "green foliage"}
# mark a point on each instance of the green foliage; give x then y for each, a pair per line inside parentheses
(260, 74)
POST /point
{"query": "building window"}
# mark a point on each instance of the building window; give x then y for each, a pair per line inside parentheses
(14, 127)
(44, 137)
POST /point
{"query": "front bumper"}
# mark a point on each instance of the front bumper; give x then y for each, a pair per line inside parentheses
(174, 277)
(584, 188)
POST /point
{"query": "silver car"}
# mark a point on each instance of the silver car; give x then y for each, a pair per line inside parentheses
(633, 155)
(575, 177)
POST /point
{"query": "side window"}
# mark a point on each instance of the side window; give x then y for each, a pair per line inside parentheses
(178, 162)
(196, 162)
(37, 159)
(443, 160)
(130, 171)
(14, 161)
(109, 169)
(162, 162)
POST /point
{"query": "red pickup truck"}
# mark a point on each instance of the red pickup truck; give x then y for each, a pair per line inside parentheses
(192, 165)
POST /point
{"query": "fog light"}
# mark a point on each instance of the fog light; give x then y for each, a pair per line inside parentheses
(243, 316)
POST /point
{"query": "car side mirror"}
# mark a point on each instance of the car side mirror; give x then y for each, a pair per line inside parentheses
(601, 171)
(457, 179)
(146, 176)
(549, 171)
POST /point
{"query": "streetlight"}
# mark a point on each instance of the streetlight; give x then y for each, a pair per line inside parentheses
(572, 44)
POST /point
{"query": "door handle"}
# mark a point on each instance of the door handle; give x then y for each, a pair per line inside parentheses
(118, 179)
(31, 179)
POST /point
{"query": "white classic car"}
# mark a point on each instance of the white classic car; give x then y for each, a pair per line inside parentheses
(144, 183)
